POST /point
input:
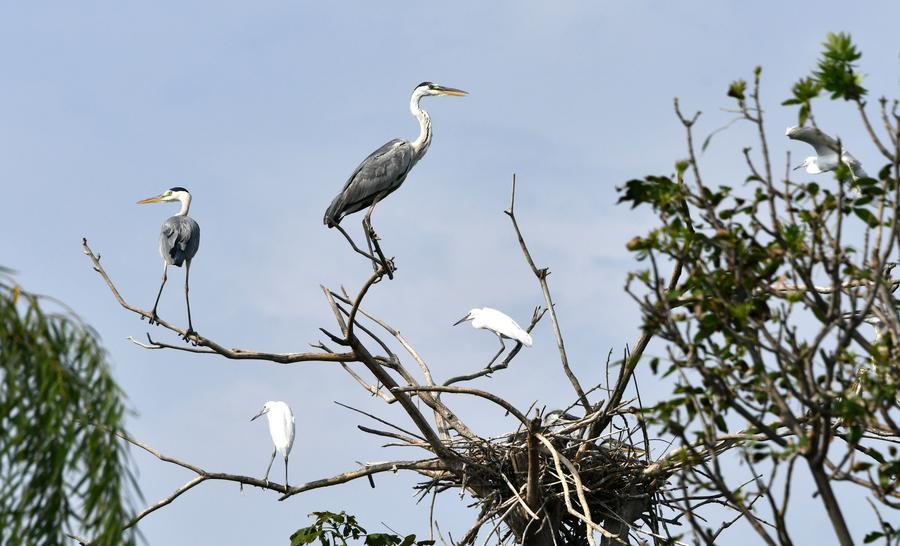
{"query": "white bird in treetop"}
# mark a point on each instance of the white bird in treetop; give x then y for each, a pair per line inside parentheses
(499, 323)
(281, 428)
(826, 158)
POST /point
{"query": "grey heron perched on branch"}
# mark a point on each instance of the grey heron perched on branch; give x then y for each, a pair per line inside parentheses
(383, 172)
(179, 240)
(500, 324)
(827, 149)
(281, 428)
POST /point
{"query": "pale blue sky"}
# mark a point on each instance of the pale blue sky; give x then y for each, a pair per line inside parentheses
(262, 109)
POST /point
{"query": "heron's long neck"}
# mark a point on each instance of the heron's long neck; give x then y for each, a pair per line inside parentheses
(185, 205)
(420, 145)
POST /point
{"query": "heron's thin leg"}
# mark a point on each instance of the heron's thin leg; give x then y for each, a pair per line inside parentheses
(187, 275)
(352, 244)
(285, 472)
(500, 352)
(272, 460)
(162, 284)
(372, 237)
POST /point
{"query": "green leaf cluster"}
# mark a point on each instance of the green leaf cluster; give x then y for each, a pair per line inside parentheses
(337, 529)
(836, 68)
(835, 72)
(62, 469)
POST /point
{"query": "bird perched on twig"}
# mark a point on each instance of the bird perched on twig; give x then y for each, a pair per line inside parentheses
(281, 428)
(383, 172)
(827, 149)
(179, 240)
(498, 323)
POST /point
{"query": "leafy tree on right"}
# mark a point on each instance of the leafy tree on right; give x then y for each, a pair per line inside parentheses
(773, 300)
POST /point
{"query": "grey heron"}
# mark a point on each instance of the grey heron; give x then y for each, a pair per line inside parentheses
(827, 148)
(383, 172)
(281, 428)
(179, 240)
(500, 324)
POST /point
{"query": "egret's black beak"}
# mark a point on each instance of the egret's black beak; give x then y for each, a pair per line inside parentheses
(798, 167)
(261, 413)
(460, 321)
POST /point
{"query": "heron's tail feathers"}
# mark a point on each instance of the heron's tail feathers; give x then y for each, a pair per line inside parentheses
(333, 214)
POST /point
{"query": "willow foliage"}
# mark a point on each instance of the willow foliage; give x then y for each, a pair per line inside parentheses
(62, 469)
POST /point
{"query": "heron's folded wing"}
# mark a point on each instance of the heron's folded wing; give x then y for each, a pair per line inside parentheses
(384, 170)
(179, 239)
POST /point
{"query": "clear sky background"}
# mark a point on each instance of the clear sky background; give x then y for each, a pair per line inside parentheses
(262, 109)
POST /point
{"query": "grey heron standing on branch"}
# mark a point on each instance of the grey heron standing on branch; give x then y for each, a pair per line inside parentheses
(383, 172)
(179, 240)
(827, 149)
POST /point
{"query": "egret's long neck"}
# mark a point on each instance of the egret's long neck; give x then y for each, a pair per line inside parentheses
(185, 199)
(420, 145)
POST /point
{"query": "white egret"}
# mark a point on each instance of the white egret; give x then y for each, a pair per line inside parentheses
(498, 323)
(281, 428)
(826, 158)
(385, 169)
(179, 240)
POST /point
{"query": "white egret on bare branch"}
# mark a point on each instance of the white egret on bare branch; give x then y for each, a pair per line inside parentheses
(281, 428)
(500, 324)
(179, 240)
(827, 148)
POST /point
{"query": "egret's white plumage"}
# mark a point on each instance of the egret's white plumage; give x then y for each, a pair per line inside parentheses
(500, 324)
(281, 428)
(826, 147)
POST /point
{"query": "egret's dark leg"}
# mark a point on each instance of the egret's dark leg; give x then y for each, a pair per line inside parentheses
(352, 244)
(187, 275)
(285, 472)
(153, 316)
(272, 460)
(500, 352)
(372, 237)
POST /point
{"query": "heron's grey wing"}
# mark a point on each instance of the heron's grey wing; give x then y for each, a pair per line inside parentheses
(823, 144)
(380, 173)
(179, 239)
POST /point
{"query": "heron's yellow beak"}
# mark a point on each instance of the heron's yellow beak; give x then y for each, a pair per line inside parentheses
(453, 92)
(147, 201)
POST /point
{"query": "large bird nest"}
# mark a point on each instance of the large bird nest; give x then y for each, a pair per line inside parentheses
(556, 481)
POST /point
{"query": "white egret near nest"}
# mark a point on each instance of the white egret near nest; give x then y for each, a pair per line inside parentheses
(500, 324)
(281, 428)
(179, 240)
(384, 171)
(827, 148)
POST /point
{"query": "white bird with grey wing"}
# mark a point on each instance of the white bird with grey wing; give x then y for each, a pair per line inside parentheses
(384, 171)
(281, 428)
(500, 324)
(179, 240)
(827, 148)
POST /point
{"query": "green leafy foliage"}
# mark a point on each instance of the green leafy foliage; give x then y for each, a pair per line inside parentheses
(737, 90)
(62, 469)
(760, 290)
(836, 69)
(338, 529)
(804, 91)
